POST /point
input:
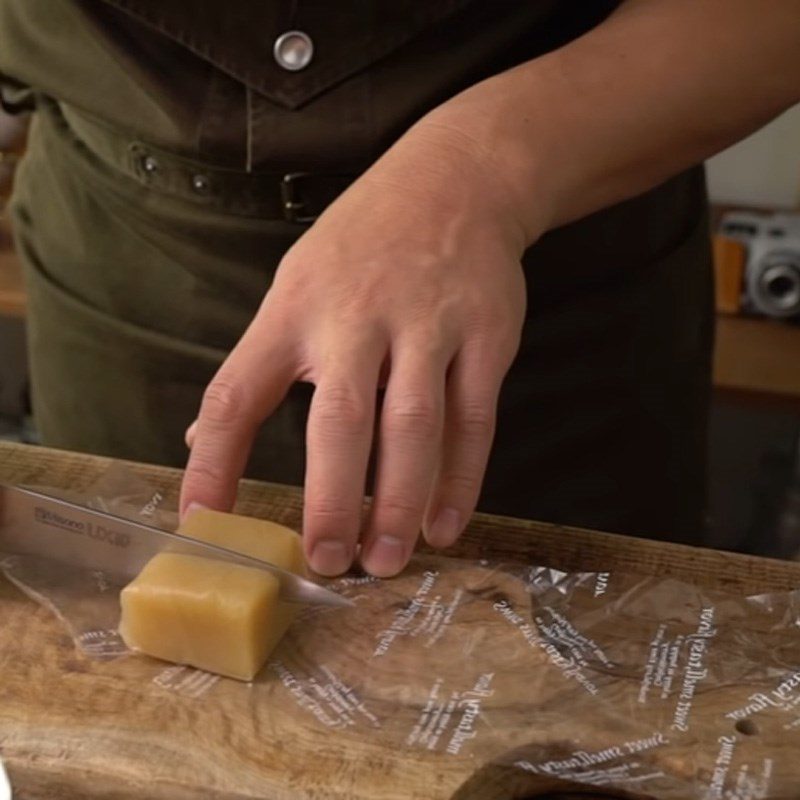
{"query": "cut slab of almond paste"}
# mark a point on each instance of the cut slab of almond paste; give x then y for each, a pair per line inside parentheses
(217, 616)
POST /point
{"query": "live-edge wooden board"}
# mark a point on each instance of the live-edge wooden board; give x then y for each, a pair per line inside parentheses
(71, 728)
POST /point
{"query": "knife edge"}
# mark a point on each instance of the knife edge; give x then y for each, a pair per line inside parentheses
(36, 523)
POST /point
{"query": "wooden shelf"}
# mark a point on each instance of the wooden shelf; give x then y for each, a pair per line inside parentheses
(758, 356)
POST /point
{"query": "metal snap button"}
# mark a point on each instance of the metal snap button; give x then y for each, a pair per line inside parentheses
(293, 50)
(150, 164)
(200, 183)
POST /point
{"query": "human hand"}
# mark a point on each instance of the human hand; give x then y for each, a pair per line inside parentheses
(411, 279)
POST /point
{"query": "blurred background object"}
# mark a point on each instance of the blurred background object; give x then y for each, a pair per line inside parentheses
(755, 424)
(761, 171)
(12, 140)
(14, 405)
(757, 264)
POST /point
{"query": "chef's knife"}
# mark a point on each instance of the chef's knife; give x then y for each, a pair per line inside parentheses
(32, 523)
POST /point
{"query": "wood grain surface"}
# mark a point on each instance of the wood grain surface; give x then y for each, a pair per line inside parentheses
(71, 727)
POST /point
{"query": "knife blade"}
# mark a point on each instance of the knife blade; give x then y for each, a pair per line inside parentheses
(36, 524)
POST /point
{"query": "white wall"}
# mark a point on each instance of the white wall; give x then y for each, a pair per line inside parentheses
(762, 170)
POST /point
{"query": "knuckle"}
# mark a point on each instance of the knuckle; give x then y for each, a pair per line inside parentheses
(325, 512)
(342, 409)
(399, 505)
(497, 333)
(487, 318)
(413, 416)
(224, 401)
(460, 482)
(474, 421)
(460, 478)
(205, 473)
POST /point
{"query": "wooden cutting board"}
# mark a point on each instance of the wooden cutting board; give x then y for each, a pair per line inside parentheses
(75, 728)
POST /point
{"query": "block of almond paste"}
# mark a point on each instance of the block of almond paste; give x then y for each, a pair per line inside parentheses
(214, 615)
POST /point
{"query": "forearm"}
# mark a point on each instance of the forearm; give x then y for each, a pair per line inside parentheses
(661, 85)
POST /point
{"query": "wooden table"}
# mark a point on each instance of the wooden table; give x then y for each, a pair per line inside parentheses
(756, 359)
(43, 706)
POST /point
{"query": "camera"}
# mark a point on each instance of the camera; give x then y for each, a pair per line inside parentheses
(757, 264)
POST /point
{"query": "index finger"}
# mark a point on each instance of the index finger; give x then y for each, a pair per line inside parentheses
(246, 389)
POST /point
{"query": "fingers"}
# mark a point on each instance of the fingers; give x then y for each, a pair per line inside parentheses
(424, 425)
(473, 386)
(409, 442)
(339, 435)
(246, 389)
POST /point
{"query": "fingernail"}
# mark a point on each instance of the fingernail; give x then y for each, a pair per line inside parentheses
(330, 557)
(445, 529)
(386, 557)
(192, 507)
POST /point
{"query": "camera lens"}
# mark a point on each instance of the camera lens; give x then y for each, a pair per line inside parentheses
(780, 287)
(776, 288)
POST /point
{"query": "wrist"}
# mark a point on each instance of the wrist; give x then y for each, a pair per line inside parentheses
(491, 131)
(441, 168)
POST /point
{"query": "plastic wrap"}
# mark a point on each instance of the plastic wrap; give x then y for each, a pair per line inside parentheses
(645, 685)
(86, 601)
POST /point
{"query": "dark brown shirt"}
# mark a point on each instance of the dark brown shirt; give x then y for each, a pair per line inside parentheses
(202, 78)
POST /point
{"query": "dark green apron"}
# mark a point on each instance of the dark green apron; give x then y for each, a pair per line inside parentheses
(150, 214)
